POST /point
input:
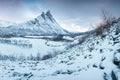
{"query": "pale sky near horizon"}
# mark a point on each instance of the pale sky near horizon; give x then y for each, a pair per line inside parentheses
(73, 15)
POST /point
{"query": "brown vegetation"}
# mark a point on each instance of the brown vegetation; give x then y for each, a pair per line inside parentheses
(106, 23)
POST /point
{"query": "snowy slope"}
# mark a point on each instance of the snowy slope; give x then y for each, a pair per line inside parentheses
(89, 60)
(44, 24)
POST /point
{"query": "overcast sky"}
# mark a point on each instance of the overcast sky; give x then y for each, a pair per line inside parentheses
(73, 15)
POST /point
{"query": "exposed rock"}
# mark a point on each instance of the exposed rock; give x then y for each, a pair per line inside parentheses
(16, 74)
(101, 66)
(106, 76)
(116, 58)
(115, 74)
(28, 75)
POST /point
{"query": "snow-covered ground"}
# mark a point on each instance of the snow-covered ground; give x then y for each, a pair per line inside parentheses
(95, 58)
(27, 46)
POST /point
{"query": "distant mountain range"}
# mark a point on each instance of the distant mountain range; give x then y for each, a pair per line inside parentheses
(5, 23)
(44, 24)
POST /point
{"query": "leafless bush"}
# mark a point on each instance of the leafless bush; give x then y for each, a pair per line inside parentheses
(107, 21)
(21, 58)
(47, 56)
(8, 57)
(51, 54)
(31, 57)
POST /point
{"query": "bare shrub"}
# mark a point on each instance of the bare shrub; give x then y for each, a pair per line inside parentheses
(21, 58)
(38, 58)
(31, 57)
(58, 38)
(8, 57)
(107, 21)
(51, 54)
(108, 18)
(47, 56)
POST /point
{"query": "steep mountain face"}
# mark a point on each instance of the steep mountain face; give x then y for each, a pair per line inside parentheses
(44, 24)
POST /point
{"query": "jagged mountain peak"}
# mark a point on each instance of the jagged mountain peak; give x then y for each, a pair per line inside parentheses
(43, 15)
(46, 16)
(48, 13)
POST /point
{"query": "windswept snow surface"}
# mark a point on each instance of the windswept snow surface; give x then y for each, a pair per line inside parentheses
(89, 60)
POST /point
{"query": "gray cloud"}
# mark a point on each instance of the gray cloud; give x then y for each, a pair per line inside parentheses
(65, 11)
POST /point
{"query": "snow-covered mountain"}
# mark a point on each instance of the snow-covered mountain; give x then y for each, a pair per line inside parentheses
(96, 56)
(44, 24)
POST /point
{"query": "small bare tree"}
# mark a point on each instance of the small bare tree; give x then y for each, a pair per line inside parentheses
(107, 18)
(107, 21)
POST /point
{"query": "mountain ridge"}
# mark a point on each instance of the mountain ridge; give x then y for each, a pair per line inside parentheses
(44, 24)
